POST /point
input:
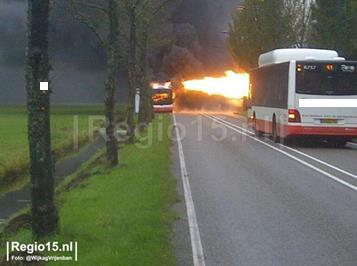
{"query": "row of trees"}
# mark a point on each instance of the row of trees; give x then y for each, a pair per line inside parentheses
(261, 25)
(125, 30)
(333, 26)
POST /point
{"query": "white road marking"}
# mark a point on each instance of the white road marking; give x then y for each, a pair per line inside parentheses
(321, 162)
(335, 178)
(197, 250)
(232, 124)
(2, 221)
(297, 151)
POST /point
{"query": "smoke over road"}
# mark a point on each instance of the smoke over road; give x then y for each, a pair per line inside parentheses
(78, 68)
(211, 19)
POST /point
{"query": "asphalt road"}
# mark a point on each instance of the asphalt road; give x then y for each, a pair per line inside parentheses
(259, 203)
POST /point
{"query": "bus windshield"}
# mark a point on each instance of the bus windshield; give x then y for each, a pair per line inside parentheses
(162, 97)
(326, 79)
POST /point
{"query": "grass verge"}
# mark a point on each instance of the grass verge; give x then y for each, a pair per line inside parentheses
(120, 216)
(14, 155)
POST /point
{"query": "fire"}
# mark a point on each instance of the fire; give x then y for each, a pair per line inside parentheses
(232, 85)
(160, 97)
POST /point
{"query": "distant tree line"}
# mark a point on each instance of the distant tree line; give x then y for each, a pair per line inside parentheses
(259, 26)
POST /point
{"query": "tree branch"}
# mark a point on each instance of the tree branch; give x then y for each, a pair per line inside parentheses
(158, 9)
(87, 21)
(97, 7)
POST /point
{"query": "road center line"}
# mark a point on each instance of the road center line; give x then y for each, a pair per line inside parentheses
(321, 162)
(297, 151)
(197, 250)
(335, 178)
(232, 124)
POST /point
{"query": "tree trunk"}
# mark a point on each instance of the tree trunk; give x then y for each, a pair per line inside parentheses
(339, 20)
(304, 24)
(149, 109)
(110, 84)
(144, 86)
(143, 104)
(132, 77)
(44, 213)
(110, 95)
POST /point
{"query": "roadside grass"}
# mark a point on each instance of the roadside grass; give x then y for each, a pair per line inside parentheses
(14, 157)
(123, 215)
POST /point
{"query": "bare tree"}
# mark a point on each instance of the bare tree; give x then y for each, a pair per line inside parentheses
(44, 213)
(152, 14)
(299, 12)
(104, 17)
(142, 16)
(131, 11)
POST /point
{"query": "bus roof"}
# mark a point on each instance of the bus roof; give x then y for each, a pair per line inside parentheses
(161, 85)
(285, 55)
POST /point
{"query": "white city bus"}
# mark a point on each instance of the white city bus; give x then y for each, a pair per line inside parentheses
(304, 92)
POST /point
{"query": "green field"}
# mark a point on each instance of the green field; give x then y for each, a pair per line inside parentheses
(14, 158)
(119, 216)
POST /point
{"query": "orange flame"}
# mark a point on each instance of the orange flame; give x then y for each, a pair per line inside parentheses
(232, 85)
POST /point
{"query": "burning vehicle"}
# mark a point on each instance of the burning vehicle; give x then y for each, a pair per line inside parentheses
(163, 97)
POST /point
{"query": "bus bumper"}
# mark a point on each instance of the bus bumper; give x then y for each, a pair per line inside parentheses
(163, 109)
(301, 130)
